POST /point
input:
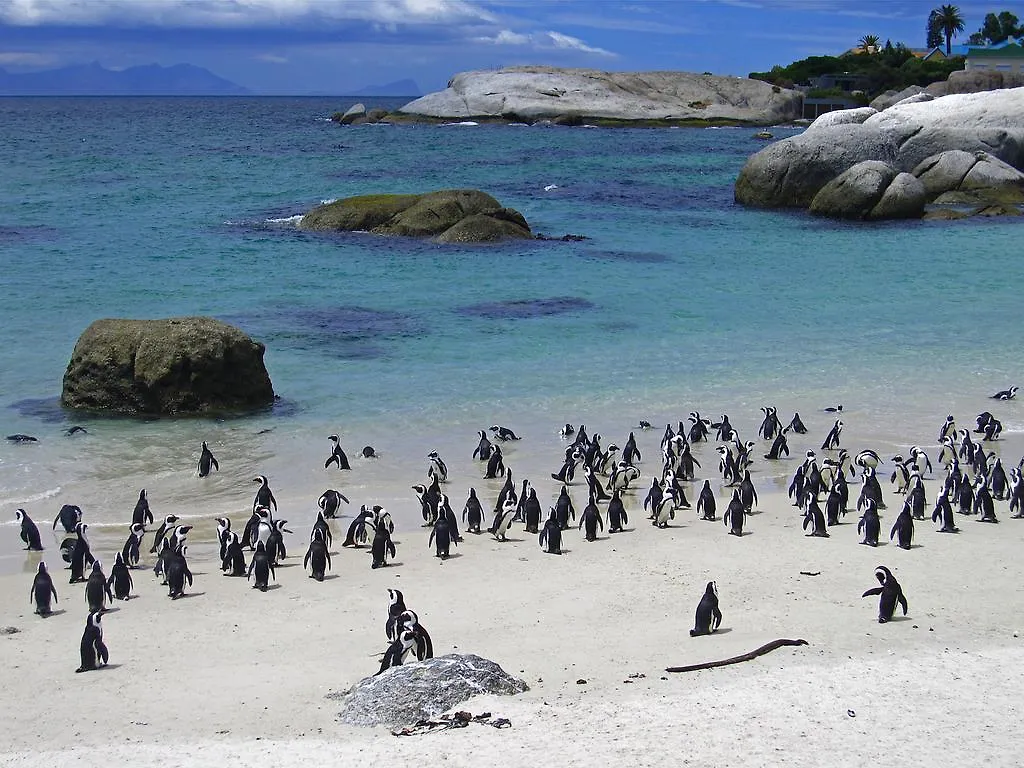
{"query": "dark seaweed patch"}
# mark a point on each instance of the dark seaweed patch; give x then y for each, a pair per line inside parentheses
(636, 257)
(523, 309)
(10, 234)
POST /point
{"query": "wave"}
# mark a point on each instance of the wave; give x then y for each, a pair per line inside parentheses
(41, 496)
(286, 220)
(463, 122)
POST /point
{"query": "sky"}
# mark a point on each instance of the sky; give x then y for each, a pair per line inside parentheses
(339, 46)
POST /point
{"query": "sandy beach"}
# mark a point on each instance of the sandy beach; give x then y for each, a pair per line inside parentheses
(229, 673)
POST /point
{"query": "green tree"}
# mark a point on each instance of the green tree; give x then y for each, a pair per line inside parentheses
(996, 29)
(949, 21)
(934, 33)
(868, 44)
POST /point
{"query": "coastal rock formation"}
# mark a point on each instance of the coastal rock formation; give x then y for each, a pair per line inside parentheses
(871, 190)
(975, 81)
(842, 117)
(534, 93)
(352, 114)
(892, 97)
(452, 216)
(790, 173)
(174, 366)
(424, 689)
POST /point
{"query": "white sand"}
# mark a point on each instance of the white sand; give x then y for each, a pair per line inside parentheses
(199, 680)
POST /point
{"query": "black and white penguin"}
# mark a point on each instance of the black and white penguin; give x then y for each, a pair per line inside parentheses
(382, 547)
(983, 506)
(831, 441)
(357, 533)
(900, 475)
(177, 572)
(590, 520)
(396, 607)
(948, 428)
(944, 512)
(263, 568)
(654, 496)
(617, 517)
(797, 425)
(337, 455)
(473, 512)
(870, 489)
(428, 503)
(727, 466)
(706, 503)
(502, 520)
(833, 409)
(207, 461)
(69, 517)
(42, 590)
(93, 650)
(903, 528)
(708, 617)
(747, 493)
(330, 502)
(484, 448)
(318, 557)
(1016, 493)
(551, 534)
(1005, 394)
(916, 498)
(532, 512)
(564, 510)
(797, 485)
(321, 526)
(398, 651)
(166, 527)
(814, 517)
(81, 555)
(495, 465)
(437, 468)
(891, 594)
(734, 514)
(567, 431)
(947, 453)
(780, 447)
(770, 426)
(723, 428)
(441, 537)
(869, 524)
(867, 458)
(97, 591)
(596, 490)
(369, 453)
(504, 433)
(965, 498)
(223, 529)
(233, 562)
(423, 646)
(275, 543)
(630, 454)
(834, 502)
(120, 580)
(264, 496)
(142, 513)
(998, 482)
(29, 531)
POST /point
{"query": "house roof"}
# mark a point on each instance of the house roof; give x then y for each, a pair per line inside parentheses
(1004, 50)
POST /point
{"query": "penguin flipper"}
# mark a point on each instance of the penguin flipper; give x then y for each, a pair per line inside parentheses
(215, 464)
(903, 602)
(716, 618)
(873, 591)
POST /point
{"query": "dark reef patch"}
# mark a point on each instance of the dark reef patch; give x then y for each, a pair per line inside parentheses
(524, 309)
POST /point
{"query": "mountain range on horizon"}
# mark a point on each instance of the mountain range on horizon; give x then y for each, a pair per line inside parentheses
(95, 80)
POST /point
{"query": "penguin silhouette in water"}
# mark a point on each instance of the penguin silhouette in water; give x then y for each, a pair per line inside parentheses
(207, 461)
(551, 534)
(42, 590)
(337, 455)
(708, 617)
(891, 594)
(93, 651)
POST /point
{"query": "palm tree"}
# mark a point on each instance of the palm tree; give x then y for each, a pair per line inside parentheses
(869, 43)
(947, 18)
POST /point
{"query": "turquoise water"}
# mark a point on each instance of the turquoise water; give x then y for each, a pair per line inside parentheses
(678, 299)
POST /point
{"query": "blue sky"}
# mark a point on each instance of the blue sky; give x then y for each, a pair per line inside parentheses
(337, 46)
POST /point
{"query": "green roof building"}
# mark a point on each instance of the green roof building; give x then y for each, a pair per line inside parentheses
(1007, 56)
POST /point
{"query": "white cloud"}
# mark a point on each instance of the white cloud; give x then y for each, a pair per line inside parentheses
(543, 41)
(235, 13)
(25, 59)
(574, 43)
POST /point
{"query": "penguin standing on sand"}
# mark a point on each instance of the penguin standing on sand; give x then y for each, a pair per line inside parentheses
(797, 425)
(891, 594)
(207, 461)
(94, 652)
(630, 454)
(97, 591)
(502, 520)
(357, 528)
(617, 517)
(814, 517)
(734, 514)
(440, 537)
(473, 512)
(551, 535)
(706, 505)
(262, 566)
(1016, 493)
(564, 509)
(142, 513)
(983, 505)
(591, 520)
(29, 531)
(264, 496)
(495, 465)
(903, 528)
(41, 591)
(166, 527)
(337, 455)
(869, 524)
(130, 551)
(944, 512)
(81, 555)
(779, 447)
(233, 562)
(437, 468)
(532, 512)
(708, 616)
(318, 558)
(831, 441)
(120, 581)
(483, 447)
(177, 572)
(382, 547)
(330, 502)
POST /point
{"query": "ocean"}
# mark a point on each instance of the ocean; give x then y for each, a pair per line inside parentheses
(677, 300)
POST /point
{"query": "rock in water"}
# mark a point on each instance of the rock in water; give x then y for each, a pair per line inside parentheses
(424, 689)
(174, 366)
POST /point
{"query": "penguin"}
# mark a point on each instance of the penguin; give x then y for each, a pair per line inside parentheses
(382, 547)
(251, 530)
(428, 504)
(747, 493)
(831, 441)
(1005, 394)
(867, 458)
(724, 428)
(262, 566)
(97, 591)
(69, 516)
(275, 543)
(769, 424)
(369, 453)
(41, 591)
(904, 528)
(796, 486)
(645, 425)
(330, 502)
(75, 430)
(917, 456)
(1016, 493)
(708, 617)
(21, 439)
(223, 529)
(965, 499)
(321, 526)
(567, 431)
(206, 461)
(483, 447)
(998, 483)
(473, 512)
(441, 538)
(947, 453)
(948, 428)
(142, 513)
(532, 512)
(687, 463)
(916, 498)
(423, 646)
(29, 531)
(564, 509)
(398, 651)
(797, 425)
(870, 489)
(622, 476)
(617, 517)
(698, 431)
(504, 433)
(337, 455)
(591, 520)
(727, 466)
(890, 594)
(495, 465)
(834, 504)
(93, 650)
(779, 447)
(869, 524)
(120, 581)
(396, 607)
(317, 556)
(437, 469)
(177, 572)
(664, 512)
(706, 505)
(834, 409)
(81, 555)
(523, 496)
(900, 475)
(162, 532)
(653, 499)
(734, 514)
(944, 512)
(596, 490)
(630, 454)
(502, 521)
(233, 562)
(813, 516)
(264, 496)
(551, 534)
(983, 505)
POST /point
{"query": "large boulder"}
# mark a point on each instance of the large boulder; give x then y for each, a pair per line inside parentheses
(536, 93)
(904, 198)
(183, 365)
(955, 176)
(855, 192)
(842, 117)
(889, 98)
(424, 689)
(453, 215)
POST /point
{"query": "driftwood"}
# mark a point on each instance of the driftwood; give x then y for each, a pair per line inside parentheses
(767, 648)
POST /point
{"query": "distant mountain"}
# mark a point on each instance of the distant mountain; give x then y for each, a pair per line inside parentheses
(397, 88)
(94, 80)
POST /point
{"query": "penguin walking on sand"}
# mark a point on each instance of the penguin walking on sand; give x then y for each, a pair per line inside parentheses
(233, 562)
(437, 468)
(441, 538)
(708, 617)
(177, 572)
(207, 461)
(29, 531)
(617, 517)
(814, 517)
(551, 534)
(831, 441)
(502, 520)
(97, 591)
(337, 455)
(318, 558)
(142, 513)
(473, 512)
(564, 510)
(42, 590)
(81, 555)
(382, 547)
(591, 520)
(166, 527)
(734, 514)
(943, 513)
(903, 528)
(869, 524)
(94, 652)
(983, 506)
(264, 496)
(130, 551)
(330, 502)
(262, 567)
(706, 504)
(120, 580)
(890, 594)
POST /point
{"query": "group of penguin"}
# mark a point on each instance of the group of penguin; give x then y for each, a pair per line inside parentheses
(974, 478)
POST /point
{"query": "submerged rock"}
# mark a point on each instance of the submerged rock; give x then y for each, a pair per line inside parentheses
(175, 366)
(424, 689)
